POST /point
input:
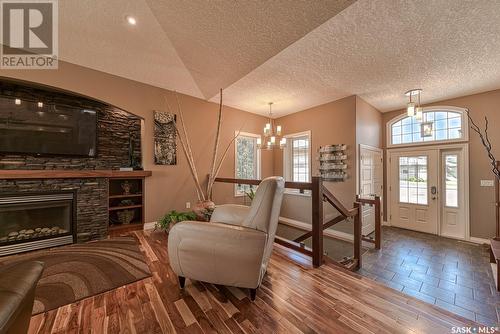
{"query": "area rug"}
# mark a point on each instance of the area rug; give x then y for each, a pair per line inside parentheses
(82, 270)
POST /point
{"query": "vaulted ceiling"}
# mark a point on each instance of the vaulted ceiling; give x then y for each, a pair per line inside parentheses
(296, 53)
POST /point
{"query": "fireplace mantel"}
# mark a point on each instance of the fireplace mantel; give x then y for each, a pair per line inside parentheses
(70, 174)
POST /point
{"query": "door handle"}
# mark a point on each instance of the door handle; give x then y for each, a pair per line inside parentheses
(434, 192)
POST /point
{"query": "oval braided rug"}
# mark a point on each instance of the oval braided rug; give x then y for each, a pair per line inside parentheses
(82, 270)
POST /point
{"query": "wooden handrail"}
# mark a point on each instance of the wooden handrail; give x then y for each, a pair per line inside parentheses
(319, 193)
(337, 205)
(289, 185)
(326, 225)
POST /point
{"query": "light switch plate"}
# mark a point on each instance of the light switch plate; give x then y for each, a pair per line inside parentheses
(487, 183)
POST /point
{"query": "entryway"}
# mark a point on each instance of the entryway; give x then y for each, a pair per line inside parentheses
(428, 189)
(450, 274)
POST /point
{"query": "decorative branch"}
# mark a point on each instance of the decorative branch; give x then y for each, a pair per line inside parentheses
(189, 157)
(485, 140)
(211, 175)
(186, 148)
(219, 165)
(189, 151)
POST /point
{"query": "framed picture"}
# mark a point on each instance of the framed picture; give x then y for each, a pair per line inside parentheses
(165, 138)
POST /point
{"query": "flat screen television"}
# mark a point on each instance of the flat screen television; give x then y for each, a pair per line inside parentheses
(32, 127)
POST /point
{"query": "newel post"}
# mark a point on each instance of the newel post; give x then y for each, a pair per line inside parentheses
(378, 222)
(317, 220)
(357, 234)
(497, 205)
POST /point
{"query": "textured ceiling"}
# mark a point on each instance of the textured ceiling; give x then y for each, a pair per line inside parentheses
(378, 50)
(222, 41)
(295, 53)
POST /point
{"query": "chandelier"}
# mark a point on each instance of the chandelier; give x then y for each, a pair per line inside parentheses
(412, 108)
(272, 135)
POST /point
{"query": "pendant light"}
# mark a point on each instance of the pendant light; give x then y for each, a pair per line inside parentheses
(271, 134)
(411, 107)
(419, 111)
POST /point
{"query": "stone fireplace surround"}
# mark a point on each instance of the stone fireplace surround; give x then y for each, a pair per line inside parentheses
(91, 201)
(115, 127)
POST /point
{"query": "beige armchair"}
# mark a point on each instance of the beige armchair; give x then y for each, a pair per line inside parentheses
(234, 248)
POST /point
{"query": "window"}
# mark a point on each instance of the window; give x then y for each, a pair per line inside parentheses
(297, 157)
(413, 180)
(451, 180)
(437, 124)
(247, 161)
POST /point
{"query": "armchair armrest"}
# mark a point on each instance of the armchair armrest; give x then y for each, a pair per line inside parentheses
(233, 214)
(217, 253)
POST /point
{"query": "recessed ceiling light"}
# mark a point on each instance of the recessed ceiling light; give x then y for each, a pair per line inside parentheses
(17, 101)
(131, 20)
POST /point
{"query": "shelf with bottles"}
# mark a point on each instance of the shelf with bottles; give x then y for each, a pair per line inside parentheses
(333, 162)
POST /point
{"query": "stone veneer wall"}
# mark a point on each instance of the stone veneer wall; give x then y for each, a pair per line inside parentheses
(115, 127)
(91, 202)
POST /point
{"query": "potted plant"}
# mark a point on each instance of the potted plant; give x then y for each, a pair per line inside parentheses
(173, 217)
(250, 194)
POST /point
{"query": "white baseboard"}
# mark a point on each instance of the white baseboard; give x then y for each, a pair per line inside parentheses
(479, 240)
(307, 227)
(149, 226)
(349, 237)
(295, 223)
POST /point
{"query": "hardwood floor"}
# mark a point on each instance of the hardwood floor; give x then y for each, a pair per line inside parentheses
(294, 298)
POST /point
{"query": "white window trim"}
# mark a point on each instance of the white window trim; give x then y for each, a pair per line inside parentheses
(286, 160)
(465, 128)
(245, 134)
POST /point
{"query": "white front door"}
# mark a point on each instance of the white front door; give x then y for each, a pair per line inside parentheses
(370, 182)
(414, 190)
(427, 190)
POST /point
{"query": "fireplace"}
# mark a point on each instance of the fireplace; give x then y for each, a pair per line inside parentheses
(30, 221)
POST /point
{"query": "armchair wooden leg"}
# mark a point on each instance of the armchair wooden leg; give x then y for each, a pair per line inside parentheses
(182, 281)
(253, 293)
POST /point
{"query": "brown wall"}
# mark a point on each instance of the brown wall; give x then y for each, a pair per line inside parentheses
(170, 187)
(482, 222)
(368, 124)
(330, 123)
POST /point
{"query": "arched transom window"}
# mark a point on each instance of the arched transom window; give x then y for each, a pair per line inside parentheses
(441, 124)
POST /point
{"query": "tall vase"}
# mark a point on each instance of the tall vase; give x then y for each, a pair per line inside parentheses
(204, 209)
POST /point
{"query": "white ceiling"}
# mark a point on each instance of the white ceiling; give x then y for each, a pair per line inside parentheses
(296, 53)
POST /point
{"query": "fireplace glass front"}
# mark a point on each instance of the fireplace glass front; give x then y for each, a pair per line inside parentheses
(33, 221)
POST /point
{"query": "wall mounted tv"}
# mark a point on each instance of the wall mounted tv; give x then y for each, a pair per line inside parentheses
(39, 127)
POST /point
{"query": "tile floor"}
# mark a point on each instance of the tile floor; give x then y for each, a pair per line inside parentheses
(452, 274)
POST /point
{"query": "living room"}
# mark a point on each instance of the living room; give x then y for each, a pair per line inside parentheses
(220, 166)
